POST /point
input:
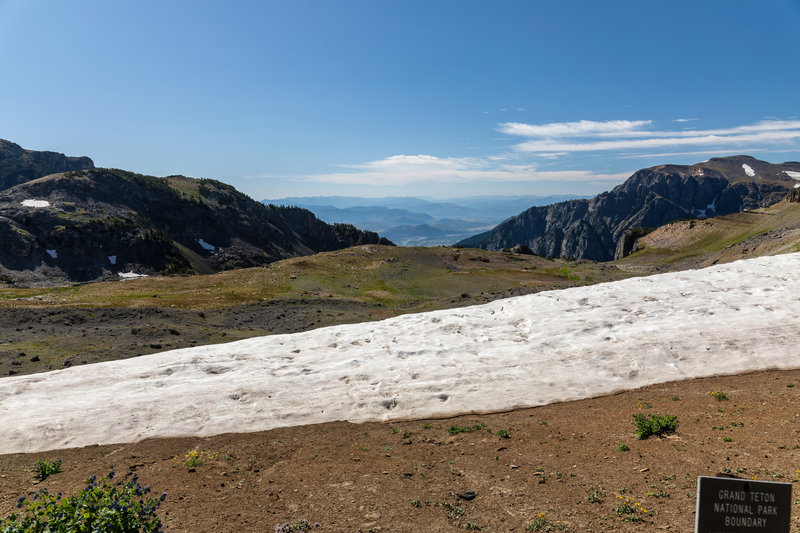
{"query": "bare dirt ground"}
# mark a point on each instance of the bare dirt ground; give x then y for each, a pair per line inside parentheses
(561, 466)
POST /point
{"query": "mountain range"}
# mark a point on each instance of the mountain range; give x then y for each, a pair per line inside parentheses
(410, 221)
(604, 227)
(90, 224)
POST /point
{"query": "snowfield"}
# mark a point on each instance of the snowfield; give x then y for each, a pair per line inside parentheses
(524, 351)
(31, 202)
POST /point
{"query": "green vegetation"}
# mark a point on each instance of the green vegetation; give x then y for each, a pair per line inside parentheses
(391, 280)
(719, 396)
(595, 497)
(622, 447)
(45, 469)
(123, 508)
(649, 425)
(455, 430)
(504, 434)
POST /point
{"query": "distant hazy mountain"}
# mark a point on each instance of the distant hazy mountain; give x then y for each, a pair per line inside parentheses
(410, 221)
(605, 226)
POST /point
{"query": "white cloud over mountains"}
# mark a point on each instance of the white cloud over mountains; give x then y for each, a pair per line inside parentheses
(420, 169)
(539, 155)
(614, 135)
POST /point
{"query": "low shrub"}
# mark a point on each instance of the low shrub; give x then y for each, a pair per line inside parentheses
(45, 469)
(99, 507)
(648, 425)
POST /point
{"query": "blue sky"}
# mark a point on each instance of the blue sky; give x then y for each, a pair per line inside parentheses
(413, 98)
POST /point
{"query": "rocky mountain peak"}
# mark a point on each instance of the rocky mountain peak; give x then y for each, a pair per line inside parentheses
(18, 165)
(596, 228)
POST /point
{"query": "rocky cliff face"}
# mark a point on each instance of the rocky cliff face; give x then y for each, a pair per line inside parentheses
(18, 165)
(95, 224)
(596, 228)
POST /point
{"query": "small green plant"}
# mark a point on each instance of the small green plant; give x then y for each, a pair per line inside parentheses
(406, 434)
(727, 439)
(622, 447)
(455, 510)
(455, 430)
(595, 497)
(415, 503)
(504, 434)
(649, 425)
(45, 469)
(631, 510)
(123, 508)
(469, 526)
(195, 458)
(719, 395)
(790, 385)
(676, 398)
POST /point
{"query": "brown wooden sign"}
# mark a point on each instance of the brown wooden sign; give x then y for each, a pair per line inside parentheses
(726, 505)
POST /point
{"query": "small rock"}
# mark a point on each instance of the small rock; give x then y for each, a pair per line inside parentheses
(468, 495)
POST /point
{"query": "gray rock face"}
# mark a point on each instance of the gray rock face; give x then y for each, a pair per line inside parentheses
(594, 229)
(18, 165)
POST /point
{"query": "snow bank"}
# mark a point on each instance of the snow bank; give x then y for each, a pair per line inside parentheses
(35, 203)
(203, 244)
(131, 275)
(748, 170)
(791, 174)
(523, 351)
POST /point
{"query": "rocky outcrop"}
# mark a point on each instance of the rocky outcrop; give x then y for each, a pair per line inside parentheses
(95, 224)
(18, 165)
(595, 228)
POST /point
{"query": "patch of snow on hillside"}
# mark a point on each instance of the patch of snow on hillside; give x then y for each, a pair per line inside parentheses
(524, 351)
(52, 253)
(713, 205)
(112, 259)
(792, 174)
(30, 202)
(210, 247)
(131, 275)
(748, 170)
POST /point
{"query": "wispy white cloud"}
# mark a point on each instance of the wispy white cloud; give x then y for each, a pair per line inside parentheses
(572, 129)
(421, 169)
(684, 119)
(588, 136)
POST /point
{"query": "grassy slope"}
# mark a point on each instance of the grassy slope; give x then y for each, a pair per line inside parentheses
(405, 279)
(699, 243)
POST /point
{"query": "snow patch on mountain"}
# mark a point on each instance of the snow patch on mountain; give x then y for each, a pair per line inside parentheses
(30, 202)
